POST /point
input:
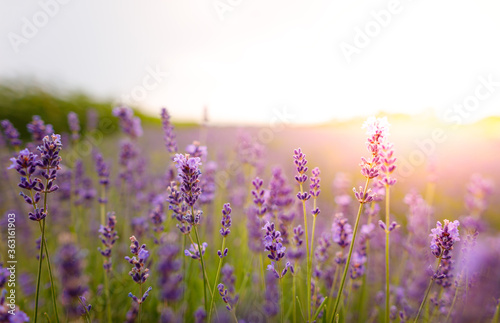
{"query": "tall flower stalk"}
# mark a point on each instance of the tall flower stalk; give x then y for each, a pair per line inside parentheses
(224, 231)
(139, 272)
(376, 131)
(301, 177)
(48, 163)
(443, 237)
(386, 169)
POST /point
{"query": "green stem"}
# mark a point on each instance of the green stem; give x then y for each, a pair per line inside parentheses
(426, 293)
(282, 293)
(202, 266)
(308, 270)
(387, 232)
(42, 227)
(216, 279)
(351, 247)
(140, 304)
(452, 305)
(335, 278)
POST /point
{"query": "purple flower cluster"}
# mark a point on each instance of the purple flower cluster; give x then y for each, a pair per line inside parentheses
(296, 251)
(130, 125)
(301, 162)
(179, 208)
(26, 164)
(377, 130)
(388, 164)
(39, 129)
(229, 279)
(108, 236)
(478, 190)
(10, 133)
(443, 238)
(168, 271)
(157, 214)
(341, 231)
(139, 272)
(74, 126)
(194, 251)
(280, 196)
(225, 224)
(314, 188)
(208, 183)
(71, 275)
(168, 129)
(258, 197)
(188, 169)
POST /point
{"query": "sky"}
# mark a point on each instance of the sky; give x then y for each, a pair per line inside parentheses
(253, 61)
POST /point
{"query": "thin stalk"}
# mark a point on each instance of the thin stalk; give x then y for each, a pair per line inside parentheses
(351, 247)
(234, 315)
(140, 304)
(387, 232)
(282, 294)
(216, 279)
(452, 305)
(202, 266)
(308, 270)
(42, 227)
(106, 279)
(52, 286)
(426, 293)
(335, 278)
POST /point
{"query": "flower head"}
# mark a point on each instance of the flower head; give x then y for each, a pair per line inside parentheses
(443, 238)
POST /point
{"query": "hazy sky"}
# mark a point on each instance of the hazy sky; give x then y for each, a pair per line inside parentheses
(245, 59)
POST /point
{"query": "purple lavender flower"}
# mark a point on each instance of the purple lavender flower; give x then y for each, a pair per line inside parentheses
(6, 310)
(108, 236)
(208, 183)
(296, 252)
(188, 168)
(280, 193)
(341, 230)
(10, 133)
(74, 126)
(168, 129)
(271, 295)
(130, 125)
(139, 272)
(377, 130)
(102, 169)
(301, 162)
(84, 306)
(39, 129)
(180, 209)
(258, 197)
(157, 215)
(315, 188)
(272, 242)
(478, 190)
(223, 293)
(168, 271)
(200, 315)
(229, 279)
(388, 164)
(226, 220)
(196, 150)
(364, 197)
(443, 238)
(71, 275)
(194, 251)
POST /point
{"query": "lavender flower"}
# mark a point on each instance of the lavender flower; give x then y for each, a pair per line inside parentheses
(194, 251)
(74, 126)
(478, 190)
(196, 150)
(226, 220)
(108, 236)
(258, 197)
(188, 168)
(223, 293)
(315, 188)
(6, 311)
(388, 164)
(341, 230)
(280, 196)
(229, 279)
(296, 252)
(139, 272)
(157, 215)
(208, 183)
(180, 209)
(130, 125)
(443, 238)
(377, 130)
(39, 129)
(168, 270)
(168, 129)
(102, 169)
(10, 133)
(71, 275)
(301, 162)
(272, 242)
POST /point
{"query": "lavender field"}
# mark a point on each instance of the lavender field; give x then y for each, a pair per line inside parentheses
(386, 219)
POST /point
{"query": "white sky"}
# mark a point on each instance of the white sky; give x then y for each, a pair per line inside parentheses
(263, 55)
